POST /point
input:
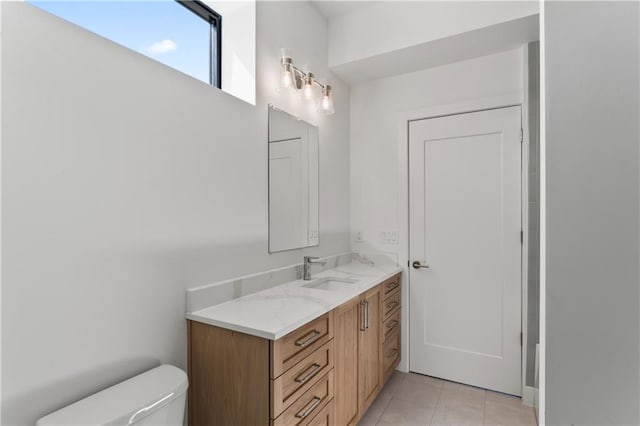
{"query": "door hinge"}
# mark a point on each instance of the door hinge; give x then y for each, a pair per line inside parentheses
(521, 135)
(521, 339)
(521, 237)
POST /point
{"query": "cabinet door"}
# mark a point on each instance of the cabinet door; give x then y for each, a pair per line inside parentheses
(347, 328)
(369, 351)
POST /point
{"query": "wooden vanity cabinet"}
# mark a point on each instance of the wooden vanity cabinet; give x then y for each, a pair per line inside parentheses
(390, 309)
(228, 377)
(347, 319)
(369, 348)
(239, 379)
(367, 331)
(327, 372)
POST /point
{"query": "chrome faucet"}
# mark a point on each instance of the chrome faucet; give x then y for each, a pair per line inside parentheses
(306, 267)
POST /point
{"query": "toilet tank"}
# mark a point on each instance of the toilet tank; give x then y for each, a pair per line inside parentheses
(155, 397)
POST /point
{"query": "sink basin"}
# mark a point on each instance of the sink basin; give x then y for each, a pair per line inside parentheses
(329, 283)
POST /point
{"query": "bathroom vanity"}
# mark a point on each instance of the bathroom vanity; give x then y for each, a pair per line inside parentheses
(303, 353)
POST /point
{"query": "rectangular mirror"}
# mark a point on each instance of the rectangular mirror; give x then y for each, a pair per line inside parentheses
(293, 182)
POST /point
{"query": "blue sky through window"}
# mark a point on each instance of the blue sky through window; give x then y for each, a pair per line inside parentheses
(163, 30)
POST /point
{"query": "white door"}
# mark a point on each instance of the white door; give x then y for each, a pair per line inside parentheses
(465, 225)
(288, 201)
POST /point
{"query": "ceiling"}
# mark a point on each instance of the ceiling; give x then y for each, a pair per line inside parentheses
(486, 40)
(332, 8)
(471, 44)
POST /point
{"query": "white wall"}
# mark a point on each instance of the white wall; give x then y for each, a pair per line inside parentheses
(592, 90)
(395, 25)
(125, 182)
(374, 131)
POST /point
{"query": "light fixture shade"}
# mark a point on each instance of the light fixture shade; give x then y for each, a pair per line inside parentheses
(308, 83)
(286, 73)
(326, 101)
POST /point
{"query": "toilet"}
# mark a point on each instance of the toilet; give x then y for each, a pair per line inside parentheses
(155, 397)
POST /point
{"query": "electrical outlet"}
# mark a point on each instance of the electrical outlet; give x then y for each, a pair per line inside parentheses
(357, 237)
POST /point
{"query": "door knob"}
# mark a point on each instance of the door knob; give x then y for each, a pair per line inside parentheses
(416, 265)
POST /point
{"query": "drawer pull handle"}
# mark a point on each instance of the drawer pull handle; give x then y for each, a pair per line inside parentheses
(392, 287)
(308, 339)
(392, 353)
(392, 325)
(309, 408)
(392, 305)
(366, 317)
(308, 373)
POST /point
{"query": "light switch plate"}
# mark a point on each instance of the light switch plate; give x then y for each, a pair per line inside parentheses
(389, 237)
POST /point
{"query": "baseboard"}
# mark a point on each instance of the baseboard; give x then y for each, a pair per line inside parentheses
(528, 396)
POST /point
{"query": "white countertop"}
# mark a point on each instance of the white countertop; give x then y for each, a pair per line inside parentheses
(275, 312)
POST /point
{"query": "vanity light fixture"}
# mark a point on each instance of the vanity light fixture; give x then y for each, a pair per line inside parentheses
(294, 78)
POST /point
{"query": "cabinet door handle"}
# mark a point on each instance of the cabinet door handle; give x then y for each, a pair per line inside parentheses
(308, 338)
(392, 305)
(392, 353)
(308, 373)
(309, 408)
(366, 324)
(362, 315)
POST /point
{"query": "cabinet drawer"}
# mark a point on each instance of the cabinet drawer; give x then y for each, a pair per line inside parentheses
(390, 305)
(391, 325)
(309, 404)
(292, 348)
(324, 417)
(290, 386)
(390, 285)
(390, 353)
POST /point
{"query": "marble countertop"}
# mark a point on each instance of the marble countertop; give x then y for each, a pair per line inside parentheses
(274, 312)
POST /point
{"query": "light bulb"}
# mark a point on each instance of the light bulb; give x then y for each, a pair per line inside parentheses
(287, 79)
(286, 72)
(307, 90)
(326, 103)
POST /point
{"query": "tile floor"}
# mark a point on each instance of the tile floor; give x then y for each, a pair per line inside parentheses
(412, 399)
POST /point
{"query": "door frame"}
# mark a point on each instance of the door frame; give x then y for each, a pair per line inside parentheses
(475, 105)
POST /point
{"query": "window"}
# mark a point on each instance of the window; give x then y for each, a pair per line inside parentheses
(182, 34)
